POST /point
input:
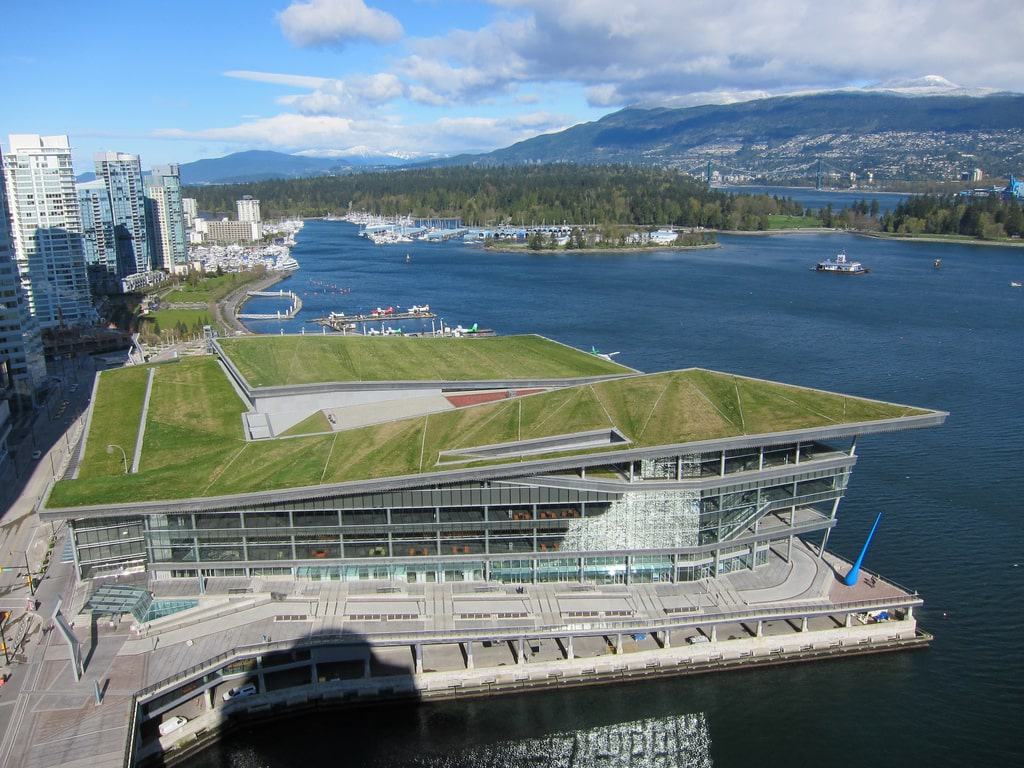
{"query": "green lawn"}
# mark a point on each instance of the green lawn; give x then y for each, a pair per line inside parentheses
(194, 442)
(169, 318)
(115, 420)
(209, 288)
(275, 360)
(781, 221)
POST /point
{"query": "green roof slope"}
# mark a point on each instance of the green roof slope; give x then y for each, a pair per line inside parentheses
(195, 447)
(269, 361)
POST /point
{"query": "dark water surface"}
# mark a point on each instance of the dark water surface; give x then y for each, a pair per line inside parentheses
(948, 339)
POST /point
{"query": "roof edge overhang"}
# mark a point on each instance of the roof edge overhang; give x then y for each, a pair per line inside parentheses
(491, 472)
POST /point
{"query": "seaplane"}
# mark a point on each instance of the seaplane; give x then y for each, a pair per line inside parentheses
(604, 356)
(378, 312)
(417, 308)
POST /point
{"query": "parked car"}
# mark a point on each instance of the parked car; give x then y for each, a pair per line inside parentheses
(172, 724)
(249, 689)
(697, 639)
(36, 455)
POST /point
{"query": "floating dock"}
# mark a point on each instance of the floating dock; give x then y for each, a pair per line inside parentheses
(342, 322)
(291, 312)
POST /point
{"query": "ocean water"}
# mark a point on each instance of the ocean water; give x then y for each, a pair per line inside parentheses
(952, 496)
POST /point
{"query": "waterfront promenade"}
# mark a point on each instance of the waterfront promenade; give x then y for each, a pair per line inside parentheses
(376, 640)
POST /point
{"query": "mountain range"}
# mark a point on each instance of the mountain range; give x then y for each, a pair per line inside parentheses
(259, 165)
(920, 130)
(890, 134)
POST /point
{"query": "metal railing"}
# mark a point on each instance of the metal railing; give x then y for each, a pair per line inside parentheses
(626, 626)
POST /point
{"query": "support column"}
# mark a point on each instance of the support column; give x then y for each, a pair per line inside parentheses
(313, 677)
(714, 633)
(824, 541)
(666, 639)
(520, 648)
(803, 624)
(366, 667)
(417, 650)
(208, 695)
(618, 644)
(469, 654)
(569, 653)
(849, 620)
(910, 612)
(760, 629)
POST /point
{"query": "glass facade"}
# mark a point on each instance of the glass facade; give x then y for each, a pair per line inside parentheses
(512, 534)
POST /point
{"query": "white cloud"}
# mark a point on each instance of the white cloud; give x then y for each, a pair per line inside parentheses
(668, 51)
(275, 78)
(352, 96)
(337, 22)
(332, 135)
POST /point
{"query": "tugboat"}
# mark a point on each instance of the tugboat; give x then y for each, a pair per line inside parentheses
(841, 266)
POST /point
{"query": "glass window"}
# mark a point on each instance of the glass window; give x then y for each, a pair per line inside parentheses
(462, 514)
(413, 516)
(266, 520)
(364, 517)
(318, 551)
(564, 569)
(209, 520)
(315, 517)
(366, 548)
(558, 511)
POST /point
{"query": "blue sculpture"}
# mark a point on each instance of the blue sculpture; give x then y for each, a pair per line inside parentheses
(854, 574)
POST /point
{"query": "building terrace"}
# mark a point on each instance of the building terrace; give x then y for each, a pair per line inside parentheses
(194, 445)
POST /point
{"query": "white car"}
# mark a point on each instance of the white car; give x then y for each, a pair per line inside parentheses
(249, 689)
(172, 724)
(696, 639)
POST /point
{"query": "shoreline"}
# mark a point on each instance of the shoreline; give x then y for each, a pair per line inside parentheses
(617, 249)
(225, 311)
(941, 239)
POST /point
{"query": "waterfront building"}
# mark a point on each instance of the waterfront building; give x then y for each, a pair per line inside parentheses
(22, 367)
(121, 172)
(321, 517)
(604, 496)
(167, 217)
(248, 209)
(47, 228)
(98, 241)
(226, 231)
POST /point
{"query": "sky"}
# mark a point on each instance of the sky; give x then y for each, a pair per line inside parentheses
(183, 80)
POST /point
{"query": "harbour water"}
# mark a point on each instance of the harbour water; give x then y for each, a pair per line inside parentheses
(949, 339)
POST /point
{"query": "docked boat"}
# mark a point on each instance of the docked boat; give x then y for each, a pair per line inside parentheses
(840, 265)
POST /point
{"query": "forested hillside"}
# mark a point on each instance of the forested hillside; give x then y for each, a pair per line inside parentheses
(580, 194)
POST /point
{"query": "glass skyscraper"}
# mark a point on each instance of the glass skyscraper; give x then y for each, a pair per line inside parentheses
(47, 228)
(122, 174)
(167, 219)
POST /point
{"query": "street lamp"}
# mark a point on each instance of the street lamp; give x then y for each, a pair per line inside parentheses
(110, 450)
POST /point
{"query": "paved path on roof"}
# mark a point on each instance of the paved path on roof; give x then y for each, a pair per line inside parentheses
(374, 413)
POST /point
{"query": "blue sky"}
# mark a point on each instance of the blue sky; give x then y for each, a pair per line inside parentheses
(183, 80)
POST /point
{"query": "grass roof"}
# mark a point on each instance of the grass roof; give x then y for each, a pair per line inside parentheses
(194, 442)
(268, 361)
